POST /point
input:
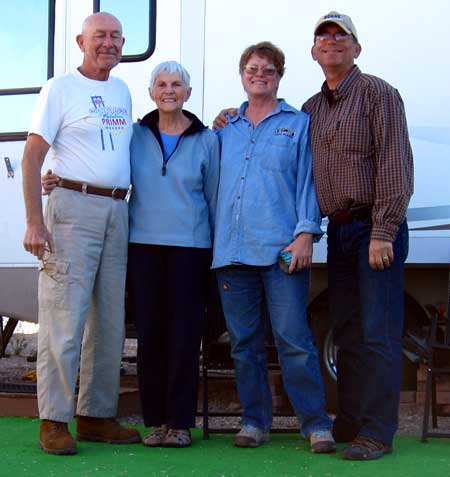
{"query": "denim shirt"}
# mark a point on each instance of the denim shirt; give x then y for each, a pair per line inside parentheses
(266, 190)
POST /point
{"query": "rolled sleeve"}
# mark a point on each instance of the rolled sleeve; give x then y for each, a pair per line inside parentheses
(308, 211)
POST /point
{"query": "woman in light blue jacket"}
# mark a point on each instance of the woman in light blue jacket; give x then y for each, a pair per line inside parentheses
(175, 175)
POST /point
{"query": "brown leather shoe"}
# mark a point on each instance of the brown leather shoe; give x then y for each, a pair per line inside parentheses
(55, 438)
(322, 442)
(97, 429)
(365, 448)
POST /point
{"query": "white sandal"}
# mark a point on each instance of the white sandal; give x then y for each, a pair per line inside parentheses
(157, 437)
(178, 438)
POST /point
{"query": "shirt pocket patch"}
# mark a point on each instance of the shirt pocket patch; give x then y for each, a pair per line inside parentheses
(277, 153)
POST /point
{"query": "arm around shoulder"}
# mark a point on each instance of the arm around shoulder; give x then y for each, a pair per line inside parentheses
(211, 177)
(308, 211)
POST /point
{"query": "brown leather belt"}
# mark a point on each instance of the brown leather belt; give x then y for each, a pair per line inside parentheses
(86, 188)
(357, 212)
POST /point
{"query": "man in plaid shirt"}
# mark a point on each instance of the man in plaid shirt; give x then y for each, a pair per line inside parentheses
(363, 172)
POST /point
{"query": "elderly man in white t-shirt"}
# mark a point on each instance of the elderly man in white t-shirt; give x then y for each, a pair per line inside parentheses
(84, 119)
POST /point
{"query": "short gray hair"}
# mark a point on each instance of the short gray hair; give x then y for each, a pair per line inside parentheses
(170, 67)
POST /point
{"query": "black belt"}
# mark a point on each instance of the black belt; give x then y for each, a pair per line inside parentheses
(86, 188)
(357, 212)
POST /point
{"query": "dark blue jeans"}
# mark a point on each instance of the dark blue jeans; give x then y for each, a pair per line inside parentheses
(367, 312)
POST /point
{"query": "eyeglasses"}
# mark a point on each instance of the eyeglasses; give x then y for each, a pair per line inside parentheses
(268, 70)
(49, 267)
(337, 36)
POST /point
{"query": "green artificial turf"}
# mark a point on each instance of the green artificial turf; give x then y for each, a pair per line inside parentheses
(286, 455)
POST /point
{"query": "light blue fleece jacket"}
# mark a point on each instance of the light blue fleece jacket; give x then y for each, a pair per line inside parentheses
(173, 201)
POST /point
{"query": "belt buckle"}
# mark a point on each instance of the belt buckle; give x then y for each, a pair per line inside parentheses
(84, 187)
(360, 212)
(342, 217)
(114, 192)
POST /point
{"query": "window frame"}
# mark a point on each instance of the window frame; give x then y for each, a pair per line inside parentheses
(151, 34)
(21, 135)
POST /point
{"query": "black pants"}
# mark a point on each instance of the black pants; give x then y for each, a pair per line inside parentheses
(167, 293)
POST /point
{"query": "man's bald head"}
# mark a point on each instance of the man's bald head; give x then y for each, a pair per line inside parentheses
(101, 42)
(93, 20)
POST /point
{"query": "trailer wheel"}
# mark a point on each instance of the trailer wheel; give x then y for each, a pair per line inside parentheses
(320, 323)
(415, 329)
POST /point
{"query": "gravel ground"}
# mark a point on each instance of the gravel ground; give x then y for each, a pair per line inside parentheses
(16, 366)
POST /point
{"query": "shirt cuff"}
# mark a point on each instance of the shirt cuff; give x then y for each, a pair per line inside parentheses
(309, 227)
(384, 232)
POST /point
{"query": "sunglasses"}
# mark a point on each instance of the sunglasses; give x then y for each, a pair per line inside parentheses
(48, 266)
(268, 70)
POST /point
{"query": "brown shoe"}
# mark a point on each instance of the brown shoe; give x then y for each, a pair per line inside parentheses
(322, 442)
(55, 438)
(365, 448)
(96, 429)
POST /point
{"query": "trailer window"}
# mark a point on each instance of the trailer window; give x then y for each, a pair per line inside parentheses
(26, 62)
(138, 20)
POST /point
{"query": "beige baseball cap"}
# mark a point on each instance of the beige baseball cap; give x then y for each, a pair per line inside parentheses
(344, 21)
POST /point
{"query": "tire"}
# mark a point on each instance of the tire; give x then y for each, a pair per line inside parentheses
(416, 324)
(320, 323)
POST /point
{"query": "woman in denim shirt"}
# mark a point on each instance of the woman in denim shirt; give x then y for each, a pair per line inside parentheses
(267, 205)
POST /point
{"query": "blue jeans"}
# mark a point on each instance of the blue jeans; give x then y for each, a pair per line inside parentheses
(242, 290)
(367, 312)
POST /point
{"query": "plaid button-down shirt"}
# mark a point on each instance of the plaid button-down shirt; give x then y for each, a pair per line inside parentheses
(361, 150)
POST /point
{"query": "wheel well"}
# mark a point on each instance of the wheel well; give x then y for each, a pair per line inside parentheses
(415, 330)
(416, 317)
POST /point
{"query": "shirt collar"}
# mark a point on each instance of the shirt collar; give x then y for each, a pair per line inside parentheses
(150, 120)
(343, 87)
(281, 106)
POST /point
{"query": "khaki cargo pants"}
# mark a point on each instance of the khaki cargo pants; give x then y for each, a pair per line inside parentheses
(81, 305)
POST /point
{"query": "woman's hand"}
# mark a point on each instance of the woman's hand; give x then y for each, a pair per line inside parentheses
(49, 181)
(301, 250)
(221, 119)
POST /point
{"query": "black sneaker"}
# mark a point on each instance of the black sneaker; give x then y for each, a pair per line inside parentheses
(364, 448)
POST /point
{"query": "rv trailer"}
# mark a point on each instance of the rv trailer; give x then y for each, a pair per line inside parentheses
(400, 43)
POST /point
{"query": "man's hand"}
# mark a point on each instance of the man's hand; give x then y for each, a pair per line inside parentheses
(221, 120)
(381, 254)
(301, 250)
(38, 240)
(49, 181)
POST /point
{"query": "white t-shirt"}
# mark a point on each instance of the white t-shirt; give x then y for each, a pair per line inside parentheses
(88, 125)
